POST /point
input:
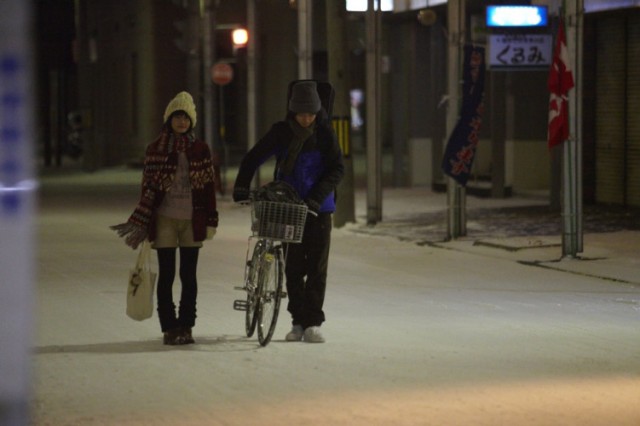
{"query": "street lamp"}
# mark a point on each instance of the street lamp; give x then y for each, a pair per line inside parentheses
(239, 37)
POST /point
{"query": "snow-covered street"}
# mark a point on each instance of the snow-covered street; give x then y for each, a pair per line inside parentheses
(454, 333)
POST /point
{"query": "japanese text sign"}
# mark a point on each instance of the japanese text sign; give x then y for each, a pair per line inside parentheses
(520, 50)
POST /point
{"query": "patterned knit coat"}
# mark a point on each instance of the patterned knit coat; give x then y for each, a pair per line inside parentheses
(160, 164)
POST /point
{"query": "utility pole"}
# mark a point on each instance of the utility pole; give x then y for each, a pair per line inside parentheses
(338, 77)
(251, 75)
(572, 241)
(373, 125)
(207, 62)
(456, 217)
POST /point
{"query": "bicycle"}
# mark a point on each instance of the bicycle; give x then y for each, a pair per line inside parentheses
(272, 223)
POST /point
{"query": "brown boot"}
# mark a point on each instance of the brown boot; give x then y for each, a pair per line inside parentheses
(187, 337)
(173, 337)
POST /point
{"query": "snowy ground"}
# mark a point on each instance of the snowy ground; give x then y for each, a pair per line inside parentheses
(487, 330)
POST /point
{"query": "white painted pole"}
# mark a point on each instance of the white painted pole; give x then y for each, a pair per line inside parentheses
(17, 188)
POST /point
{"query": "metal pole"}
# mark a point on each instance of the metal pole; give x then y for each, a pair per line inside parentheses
(17, 199)
(374, 156)
(251, 81)
(222, 134)
(568, 197)
(251, 74)
(568, 210)
(572, 241)
(456, 218)
(305, 44)
(576, 18)
(207, 58)
(378, 122)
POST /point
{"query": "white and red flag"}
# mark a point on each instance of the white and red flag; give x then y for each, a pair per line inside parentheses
(559, 83)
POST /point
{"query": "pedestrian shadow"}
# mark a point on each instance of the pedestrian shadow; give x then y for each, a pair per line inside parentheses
(206, 343)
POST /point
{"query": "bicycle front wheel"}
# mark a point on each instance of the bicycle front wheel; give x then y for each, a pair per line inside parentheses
(251, 286)
(270, 278)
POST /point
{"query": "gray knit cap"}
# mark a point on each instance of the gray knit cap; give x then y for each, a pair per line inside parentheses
(304, 98)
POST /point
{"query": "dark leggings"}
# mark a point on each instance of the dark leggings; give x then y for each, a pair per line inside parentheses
(166, 274)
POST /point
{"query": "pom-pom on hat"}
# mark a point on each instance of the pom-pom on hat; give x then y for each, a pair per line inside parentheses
(182, 102)
(305, 98)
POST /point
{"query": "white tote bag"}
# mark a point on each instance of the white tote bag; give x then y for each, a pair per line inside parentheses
(141, 285)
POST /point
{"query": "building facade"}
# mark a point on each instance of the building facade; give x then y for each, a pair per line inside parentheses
(132, 57)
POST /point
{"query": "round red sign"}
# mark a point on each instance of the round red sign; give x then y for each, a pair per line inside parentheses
(221, 73)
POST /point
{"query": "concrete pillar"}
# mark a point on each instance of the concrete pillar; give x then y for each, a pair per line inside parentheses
(338, 77)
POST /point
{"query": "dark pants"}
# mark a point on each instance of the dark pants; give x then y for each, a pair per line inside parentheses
(306, 272)
(166, 274)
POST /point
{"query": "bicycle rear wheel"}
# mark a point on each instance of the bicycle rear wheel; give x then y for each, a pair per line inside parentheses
(251, 286)
(270, 277)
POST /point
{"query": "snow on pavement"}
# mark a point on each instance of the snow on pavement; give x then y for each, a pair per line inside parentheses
(416, 334)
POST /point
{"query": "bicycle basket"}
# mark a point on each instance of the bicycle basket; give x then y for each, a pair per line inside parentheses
(278, 221)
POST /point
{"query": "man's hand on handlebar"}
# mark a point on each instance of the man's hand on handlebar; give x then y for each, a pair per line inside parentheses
(312, 207)
(241, 195)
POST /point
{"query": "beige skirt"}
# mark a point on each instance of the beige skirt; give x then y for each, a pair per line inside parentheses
(171, 233)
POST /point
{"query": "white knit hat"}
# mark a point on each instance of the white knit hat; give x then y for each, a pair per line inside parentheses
(182, 102)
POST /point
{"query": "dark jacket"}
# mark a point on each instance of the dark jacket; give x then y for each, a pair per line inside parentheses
(317, 171)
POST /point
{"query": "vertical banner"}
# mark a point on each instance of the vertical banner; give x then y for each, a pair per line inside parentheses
(461, 147)
(559, 83)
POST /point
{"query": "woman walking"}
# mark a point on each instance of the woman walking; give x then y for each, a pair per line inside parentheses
(177, 210)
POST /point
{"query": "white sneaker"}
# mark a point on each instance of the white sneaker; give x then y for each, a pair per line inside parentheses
(295, 335)
(313, 335)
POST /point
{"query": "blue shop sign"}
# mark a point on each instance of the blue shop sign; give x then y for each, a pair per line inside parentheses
(517, 16)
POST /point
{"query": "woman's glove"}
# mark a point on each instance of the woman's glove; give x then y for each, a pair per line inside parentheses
(133, 235)
(211, 231)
